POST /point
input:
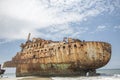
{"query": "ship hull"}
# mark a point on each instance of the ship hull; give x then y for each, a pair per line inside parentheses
(62, 59)
(47, 70)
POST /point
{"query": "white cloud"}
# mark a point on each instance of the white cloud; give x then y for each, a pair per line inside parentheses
(19, 17)
(117, 27)
(2, 41)
(100, 28)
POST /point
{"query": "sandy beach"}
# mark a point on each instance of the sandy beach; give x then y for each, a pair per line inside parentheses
(26, 78)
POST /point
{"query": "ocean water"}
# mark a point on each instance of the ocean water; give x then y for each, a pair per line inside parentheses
(9, 73)
(105, 74)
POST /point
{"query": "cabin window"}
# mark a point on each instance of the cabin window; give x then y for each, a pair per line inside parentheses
(81, 44)
(27, 46)
(63, 47)
(37, 45)
(51, 49)
(69, 46)
(40, 44)
(34, 56)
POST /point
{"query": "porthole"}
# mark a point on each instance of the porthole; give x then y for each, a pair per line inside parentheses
(75, 45)
(58, 47)
(45, 49)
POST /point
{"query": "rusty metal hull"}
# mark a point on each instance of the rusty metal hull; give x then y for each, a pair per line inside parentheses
(58, 58)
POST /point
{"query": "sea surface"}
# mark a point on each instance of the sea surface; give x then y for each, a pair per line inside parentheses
(105, 74)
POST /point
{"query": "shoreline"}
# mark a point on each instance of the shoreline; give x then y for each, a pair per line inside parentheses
(26, 78)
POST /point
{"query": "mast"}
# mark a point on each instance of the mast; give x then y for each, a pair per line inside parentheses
(28, 39)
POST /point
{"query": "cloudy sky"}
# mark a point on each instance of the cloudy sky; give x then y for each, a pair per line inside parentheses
(90, 20)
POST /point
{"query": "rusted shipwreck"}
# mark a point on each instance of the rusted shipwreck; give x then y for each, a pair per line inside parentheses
(69, 57)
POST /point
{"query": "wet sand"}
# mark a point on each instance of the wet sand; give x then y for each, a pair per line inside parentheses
(27, 78)
(36, 78)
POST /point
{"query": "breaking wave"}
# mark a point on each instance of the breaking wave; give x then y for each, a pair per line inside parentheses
(101, 77)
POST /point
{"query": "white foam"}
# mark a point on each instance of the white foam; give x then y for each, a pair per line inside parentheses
(117, 75)
(114, 77)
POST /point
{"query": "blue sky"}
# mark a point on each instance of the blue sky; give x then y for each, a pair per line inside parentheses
(90, 20)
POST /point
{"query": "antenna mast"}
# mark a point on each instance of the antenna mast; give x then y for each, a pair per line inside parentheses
(28, 39)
